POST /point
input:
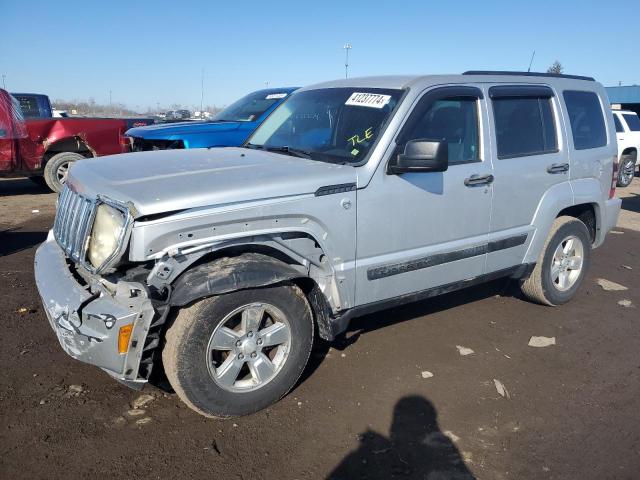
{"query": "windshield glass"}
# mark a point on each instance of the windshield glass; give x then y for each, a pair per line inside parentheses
(249, 108)
(332, 124)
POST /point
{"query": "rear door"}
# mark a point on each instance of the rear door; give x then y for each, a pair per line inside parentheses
(530, 161)
(421, 230)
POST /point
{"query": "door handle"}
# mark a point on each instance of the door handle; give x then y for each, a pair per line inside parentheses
(475, 180)
(558, 168)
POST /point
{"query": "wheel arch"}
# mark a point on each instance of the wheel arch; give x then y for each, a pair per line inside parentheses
(630, 151)
(254, 266)
(74, 144)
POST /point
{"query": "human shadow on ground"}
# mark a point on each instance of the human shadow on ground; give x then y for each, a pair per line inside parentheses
(415, 448)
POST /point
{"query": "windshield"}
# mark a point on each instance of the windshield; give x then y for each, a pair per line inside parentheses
(332, 124)
(249, 108)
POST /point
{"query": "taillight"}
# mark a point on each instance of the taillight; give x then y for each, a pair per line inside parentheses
(125, 142)
(614, 177)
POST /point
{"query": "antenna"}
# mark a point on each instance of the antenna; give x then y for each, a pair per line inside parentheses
(531, 62)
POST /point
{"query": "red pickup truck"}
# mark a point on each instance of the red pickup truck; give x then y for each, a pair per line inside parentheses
(43, 148)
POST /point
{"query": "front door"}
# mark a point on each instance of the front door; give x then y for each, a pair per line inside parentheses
(416, 231)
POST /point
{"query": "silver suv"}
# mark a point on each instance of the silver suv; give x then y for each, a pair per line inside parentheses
(222, 265)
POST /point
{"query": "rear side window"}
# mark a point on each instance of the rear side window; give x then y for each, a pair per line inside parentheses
(524, 126)
(616, 120)
(587, 119)
(633, 122)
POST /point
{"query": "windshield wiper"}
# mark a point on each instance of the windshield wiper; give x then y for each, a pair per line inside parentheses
(286, 149)
(253, 146)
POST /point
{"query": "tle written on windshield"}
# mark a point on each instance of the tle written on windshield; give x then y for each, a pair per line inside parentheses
(333, 124)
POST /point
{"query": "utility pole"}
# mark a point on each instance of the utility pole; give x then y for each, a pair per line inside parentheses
(531, 61)
(110, 101)
(201, 91)
(347, 47)
(4, 85)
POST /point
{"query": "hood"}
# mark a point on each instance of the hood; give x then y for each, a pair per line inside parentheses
(167, 180)
(165, 131)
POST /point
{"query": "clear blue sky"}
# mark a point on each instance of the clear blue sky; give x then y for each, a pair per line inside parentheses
(153, 51)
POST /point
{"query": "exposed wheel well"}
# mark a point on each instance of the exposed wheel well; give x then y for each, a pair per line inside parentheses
(586, 213)
(72, 144)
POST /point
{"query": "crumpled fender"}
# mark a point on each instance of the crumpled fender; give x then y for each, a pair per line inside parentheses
(228, 274)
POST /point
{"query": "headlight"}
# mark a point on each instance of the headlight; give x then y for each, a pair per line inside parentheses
(106, 233)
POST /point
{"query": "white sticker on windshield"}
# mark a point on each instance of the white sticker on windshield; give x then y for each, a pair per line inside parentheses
(273, 96)
(374, 100)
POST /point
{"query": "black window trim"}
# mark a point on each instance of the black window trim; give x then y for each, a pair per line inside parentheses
(426, 101)
(519, 91)
(525, 91)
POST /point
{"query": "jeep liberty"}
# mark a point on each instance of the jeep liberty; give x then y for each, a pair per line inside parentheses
(222, 265)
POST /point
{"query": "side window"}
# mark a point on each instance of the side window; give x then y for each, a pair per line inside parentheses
(616, 120)
(455, 121)
(633, 122)
(524, 126)
(587, 119)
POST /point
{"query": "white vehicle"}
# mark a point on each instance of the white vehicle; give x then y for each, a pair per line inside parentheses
(628, 135)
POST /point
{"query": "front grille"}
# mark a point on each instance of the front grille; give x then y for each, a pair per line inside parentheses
(142, 145)
(72, 225)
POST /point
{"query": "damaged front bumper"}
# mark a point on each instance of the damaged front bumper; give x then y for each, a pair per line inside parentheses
(87, 318)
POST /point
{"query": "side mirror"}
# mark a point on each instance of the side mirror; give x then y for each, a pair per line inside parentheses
(421, 155)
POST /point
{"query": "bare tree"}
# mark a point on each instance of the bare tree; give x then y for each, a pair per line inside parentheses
(556, 67)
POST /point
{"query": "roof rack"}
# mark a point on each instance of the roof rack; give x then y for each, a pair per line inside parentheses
(528, 74)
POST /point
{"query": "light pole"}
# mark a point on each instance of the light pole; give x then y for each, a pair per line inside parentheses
(201, 91)
(4, 85)
(347, 47)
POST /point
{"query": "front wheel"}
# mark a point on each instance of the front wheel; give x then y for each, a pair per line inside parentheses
(626, 171)
(237, 353)
(57, 169)
(562, 265)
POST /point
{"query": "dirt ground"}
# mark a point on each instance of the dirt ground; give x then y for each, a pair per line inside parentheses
(394, 399)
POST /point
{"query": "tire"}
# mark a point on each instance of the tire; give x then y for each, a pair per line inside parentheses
(55, 171)
(202, 380)
(626, 170)
(540, 287)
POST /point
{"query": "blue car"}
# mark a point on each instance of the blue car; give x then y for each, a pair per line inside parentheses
(229, 128)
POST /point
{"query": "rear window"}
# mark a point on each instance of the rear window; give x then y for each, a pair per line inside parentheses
(616, 120)
(587, 119)
(33, 105)
(633, 122)
(524, 126)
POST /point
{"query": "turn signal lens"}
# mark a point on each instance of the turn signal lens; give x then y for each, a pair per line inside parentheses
(123, 338)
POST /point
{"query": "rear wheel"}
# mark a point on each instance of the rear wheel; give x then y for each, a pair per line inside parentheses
(562, 265)
(626, 170)
(57, 169)
(237, 353)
